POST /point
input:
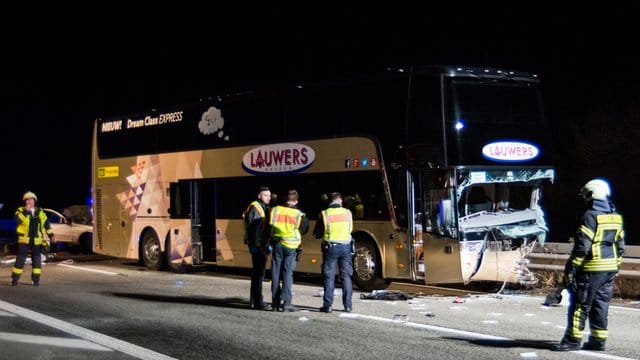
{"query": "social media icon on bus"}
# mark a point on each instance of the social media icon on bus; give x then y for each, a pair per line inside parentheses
(364, 162)
(347, 163)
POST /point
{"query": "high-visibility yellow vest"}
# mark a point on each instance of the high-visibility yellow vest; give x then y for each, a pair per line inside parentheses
(338, 225)
(256, 204)
(603, 256)
(24, 222)
(285, 222)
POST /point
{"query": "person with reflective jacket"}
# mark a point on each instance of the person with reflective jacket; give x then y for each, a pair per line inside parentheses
(257, 238)
(32, 224)
(591, 269)
(288, 224)
(334, 226)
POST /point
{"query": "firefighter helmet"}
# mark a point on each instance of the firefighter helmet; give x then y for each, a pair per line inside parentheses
(29, 195)
(596, 189)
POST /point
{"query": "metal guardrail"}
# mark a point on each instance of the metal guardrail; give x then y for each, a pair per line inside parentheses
(565, 248)
(553, 257)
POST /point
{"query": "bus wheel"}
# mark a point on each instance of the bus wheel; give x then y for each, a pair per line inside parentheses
(367, 272)
(176, 268)
(151, 254)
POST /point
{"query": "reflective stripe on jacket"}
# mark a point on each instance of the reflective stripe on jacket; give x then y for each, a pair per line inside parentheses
(24, 219)
(285, 222)
(338, 225)
(600, 242)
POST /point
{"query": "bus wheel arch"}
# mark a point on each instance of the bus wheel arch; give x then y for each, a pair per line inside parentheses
(367, 264)
(176, 268)
(151, 254)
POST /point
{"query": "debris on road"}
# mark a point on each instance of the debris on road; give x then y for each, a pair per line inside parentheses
(401, 318)
(390, 295)
(458, 300)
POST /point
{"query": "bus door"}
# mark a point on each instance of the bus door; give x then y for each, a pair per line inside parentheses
(193, 218)
(435, 247)
(203, 220)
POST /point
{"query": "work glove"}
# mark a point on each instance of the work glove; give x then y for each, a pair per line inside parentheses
(568, 279)
(52, 238)
(298, 253)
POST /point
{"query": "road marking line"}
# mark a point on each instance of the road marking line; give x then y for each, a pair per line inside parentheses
(52, 341)
(4, 313)
(469, 334)
(90, 335)
(88, 269)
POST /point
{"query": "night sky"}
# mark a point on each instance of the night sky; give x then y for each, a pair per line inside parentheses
(60, 73)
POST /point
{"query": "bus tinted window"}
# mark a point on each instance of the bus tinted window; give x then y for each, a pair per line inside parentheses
(362, 190)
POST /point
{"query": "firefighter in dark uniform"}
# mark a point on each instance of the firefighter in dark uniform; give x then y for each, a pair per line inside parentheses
(288, 224)
(591, 269)
(32, 224)
(257, 238)
(334, 226)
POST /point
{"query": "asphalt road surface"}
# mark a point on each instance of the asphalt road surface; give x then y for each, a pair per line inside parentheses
(110, 309)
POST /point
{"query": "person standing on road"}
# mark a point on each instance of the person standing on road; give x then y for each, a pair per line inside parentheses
(334, 226)
(32, 224)
(288, 224)
(257, 238)
(591, 269)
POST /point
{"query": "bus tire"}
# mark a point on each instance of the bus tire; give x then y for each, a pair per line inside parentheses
(176, 268)
(150, 251)
(86, 243)
(367, 269)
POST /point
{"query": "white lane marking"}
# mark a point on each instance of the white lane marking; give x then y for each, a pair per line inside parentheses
(88, 269)
(90, 335)
(4, 313)
(469, 334)
(52, 341)
(529, 355)
(489, 321)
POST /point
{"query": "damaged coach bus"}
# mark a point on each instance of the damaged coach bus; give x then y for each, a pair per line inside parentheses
(442, 167)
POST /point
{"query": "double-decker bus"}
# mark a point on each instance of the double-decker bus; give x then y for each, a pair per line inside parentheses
(442, 166)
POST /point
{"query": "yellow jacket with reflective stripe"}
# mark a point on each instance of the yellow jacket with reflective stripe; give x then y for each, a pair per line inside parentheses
(600, 241)
(338, 225)
(24, 219)
(256, 205)
(285, 223)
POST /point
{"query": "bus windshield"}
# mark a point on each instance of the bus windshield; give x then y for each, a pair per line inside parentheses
(494, 102)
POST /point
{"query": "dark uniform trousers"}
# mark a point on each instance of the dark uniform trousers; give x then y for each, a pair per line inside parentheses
(590, 299)
(21, 257)
(332, 255)
(259, 260)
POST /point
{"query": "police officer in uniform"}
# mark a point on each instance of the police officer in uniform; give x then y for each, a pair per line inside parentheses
(334, 226)
(591, 269)
(288, 224)
(257, 237)
(32, 224)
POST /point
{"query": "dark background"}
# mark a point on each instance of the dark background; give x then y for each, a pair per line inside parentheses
(59, 72)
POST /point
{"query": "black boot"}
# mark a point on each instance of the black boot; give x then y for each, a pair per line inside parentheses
(593, 345)
(14, 280)
(566, 346)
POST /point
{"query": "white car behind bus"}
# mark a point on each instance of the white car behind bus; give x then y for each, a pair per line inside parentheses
(70, 232)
